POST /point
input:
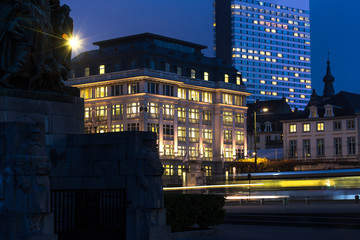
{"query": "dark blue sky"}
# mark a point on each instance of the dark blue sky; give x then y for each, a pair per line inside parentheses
(335, 27)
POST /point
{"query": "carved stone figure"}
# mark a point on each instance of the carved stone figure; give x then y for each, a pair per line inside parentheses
(149, 173)
(32, 169)
(30, 40)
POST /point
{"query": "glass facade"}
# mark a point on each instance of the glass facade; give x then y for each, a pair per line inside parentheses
(271, 49)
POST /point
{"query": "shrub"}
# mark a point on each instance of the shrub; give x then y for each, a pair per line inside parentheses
(184, 211)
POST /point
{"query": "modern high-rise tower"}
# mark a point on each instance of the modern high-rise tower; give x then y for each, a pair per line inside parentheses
(270, 46)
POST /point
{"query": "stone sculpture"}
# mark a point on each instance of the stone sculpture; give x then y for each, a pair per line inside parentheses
(32, 44)
(32, 169)
(149, 173)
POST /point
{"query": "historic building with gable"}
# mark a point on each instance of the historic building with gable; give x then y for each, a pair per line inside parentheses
(326, 134)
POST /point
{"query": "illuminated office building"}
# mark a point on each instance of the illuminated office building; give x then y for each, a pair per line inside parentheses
(147, 82)
(270, 46)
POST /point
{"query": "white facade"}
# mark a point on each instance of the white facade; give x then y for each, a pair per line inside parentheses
(195, 119)
(326, 139)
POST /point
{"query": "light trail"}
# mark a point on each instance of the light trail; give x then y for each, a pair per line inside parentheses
(212, 186)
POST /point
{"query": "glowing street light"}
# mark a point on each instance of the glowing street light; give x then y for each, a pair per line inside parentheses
(73, 42)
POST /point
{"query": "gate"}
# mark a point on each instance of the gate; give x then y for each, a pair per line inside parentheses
(89, 214)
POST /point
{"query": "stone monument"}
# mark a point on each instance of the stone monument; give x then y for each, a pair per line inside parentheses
(36, 111)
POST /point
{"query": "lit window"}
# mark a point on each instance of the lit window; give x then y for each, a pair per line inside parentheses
(207, 97)
(182, 93)
(193, 95)
(206, 76)
(227, 98)
(293, 128)
(117, 128)
(226, 78)
(101, 92)
(262, 81)
(274, 83)
(101, 69)
(302, 96)
(306, 127)
(192, 73)
(238, 80)
(291, 90)
(320, 126)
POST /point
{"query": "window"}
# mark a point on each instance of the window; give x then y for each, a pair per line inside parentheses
(239, 137)
(239, 118)
(193, 95)
(193, 152)
(306, 148)
(351, 145)
(87, 71)
(268, 127)
(337, 146)
(227, 98)
(206, 76)
(168, 90)
(306, 127)
(227, 118)
(350, 124)
(168, 111)
(86, 93)
(117, 128)
(292, 128)
(102, 69)
(238, 100)
(167, 67)
(227, 136)
(181, 151)
(193, 115)
(133, 88)
(226, 78)
(117, 111)
(179, 71)
(181, 115)
(153, 127)
(193, 73)
(153, 110)
(207, 97)
(193, 134)
(153, 88)
(208, 153)
(168, 132)
(320, 147)
(87, 114)
(207, 135)
(133, 110)
(101, 129)
(101, 111)
(101, 92)
(182, 93)
(206, 117)
(181, 134)
(238, 80)
(168, 169)
(240, 153)
(320, 127)
(337, 125)
(292, 148)
(228, 154)
(116, 90)
(133, 127)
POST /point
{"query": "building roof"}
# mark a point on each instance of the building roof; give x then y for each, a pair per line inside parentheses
(148, 35)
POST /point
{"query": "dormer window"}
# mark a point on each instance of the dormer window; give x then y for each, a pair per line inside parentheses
(329, 110)
(313, 112)
(268, 127)
(258, 129)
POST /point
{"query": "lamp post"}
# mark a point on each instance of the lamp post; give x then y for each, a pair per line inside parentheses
(255, 140)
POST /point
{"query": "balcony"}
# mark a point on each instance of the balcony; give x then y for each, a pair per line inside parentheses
(168, 137)
(206, 122)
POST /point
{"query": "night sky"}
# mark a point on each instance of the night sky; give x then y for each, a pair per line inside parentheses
(335, 27)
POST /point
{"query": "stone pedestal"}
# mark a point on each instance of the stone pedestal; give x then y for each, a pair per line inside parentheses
(15, 227)
(196, 175)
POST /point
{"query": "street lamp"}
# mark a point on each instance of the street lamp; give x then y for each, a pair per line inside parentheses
(255, 132)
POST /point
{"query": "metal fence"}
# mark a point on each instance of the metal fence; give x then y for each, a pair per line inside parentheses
(89, 212)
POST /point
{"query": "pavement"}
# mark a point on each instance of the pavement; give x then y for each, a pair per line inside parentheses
(283, 232)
